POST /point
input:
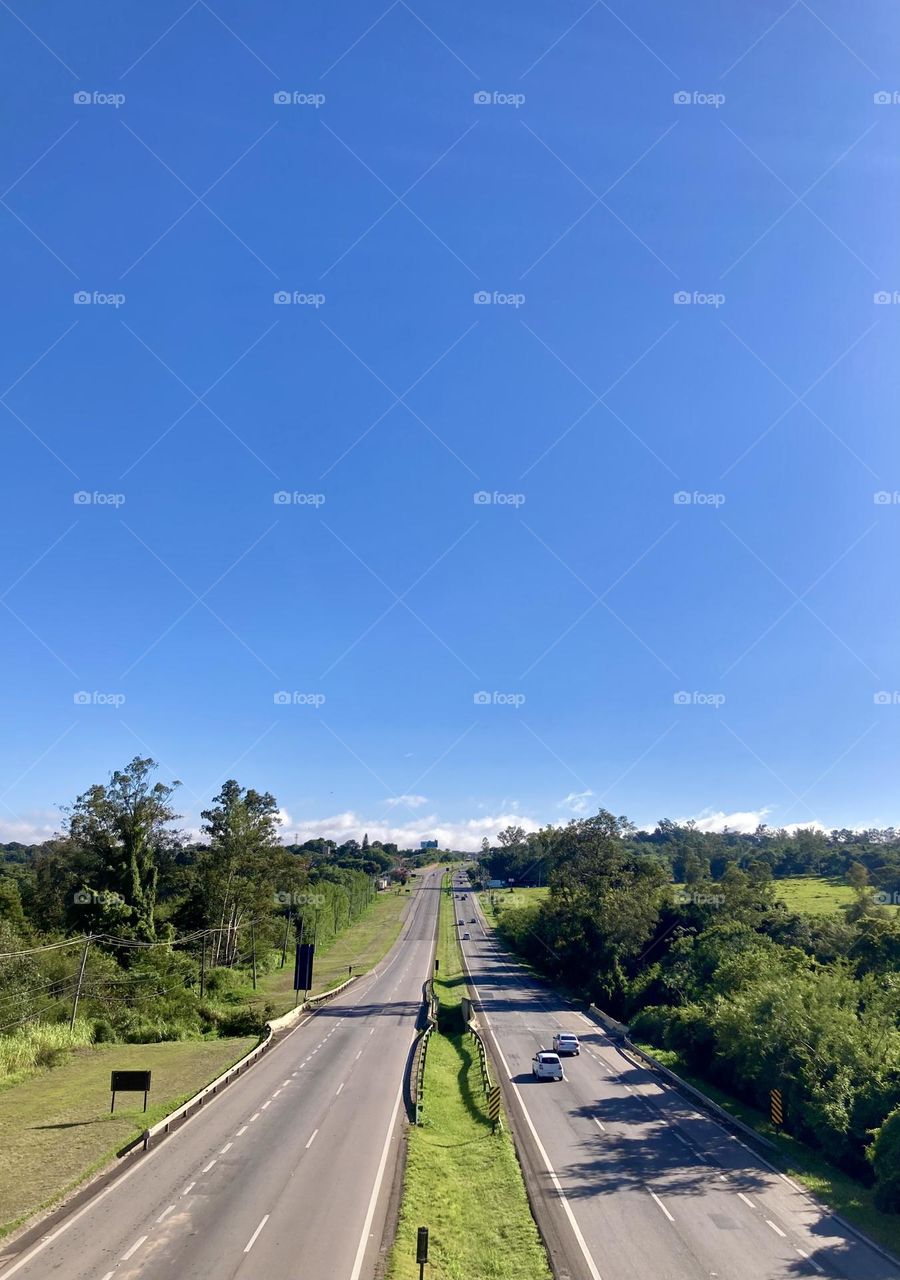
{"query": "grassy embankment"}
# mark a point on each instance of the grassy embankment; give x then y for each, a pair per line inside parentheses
(813, 895)
(462, 1181)
(55, 1126)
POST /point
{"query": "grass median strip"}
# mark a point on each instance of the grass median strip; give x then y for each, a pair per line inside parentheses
(462, 1180)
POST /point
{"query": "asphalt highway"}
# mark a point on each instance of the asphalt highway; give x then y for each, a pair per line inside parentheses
(287, 1173)
(642, 1184)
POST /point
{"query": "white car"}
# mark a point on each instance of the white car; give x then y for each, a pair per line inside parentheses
(565, 1042)
(546, 1065)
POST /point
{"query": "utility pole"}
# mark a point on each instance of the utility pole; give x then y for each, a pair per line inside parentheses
(253, 950)
(84, 956)
(203, 969)
(287, 925)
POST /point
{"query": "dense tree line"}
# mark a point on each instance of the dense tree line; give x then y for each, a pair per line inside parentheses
(681, 935)
(171, 924)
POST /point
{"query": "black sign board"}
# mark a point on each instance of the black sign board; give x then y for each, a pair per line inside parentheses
(129, 1082)
(303, 966)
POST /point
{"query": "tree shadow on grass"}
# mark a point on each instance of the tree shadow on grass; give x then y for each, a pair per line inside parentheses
(71, 1124)
(473, 1099)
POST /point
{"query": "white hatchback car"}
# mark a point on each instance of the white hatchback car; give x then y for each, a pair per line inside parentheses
(546, 1065)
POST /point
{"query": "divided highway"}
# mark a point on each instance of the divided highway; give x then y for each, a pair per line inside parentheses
(635, 1181)
(288, 1172)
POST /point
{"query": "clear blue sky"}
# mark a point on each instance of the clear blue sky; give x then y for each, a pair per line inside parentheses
(581, 198)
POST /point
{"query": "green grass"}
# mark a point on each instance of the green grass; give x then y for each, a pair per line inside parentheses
(55, 1128)
(462, 1181)
(507, 900)
(363, 944)
(814, 895)
(834, 1188)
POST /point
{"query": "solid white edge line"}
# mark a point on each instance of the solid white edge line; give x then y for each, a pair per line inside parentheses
(567, 1208)
(252, 1241)
(373, 1199)
(134, 1248)
(661, 1205)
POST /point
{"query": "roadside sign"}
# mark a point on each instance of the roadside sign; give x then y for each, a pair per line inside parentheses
(129, 1082)
(303, 966)
(776, 1107)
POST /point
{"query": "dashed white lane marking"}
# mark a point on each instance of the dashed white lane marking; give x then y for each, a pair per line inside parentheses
(276, 1093)
(165, 1213)
(372, 1032)
(358, 1056)
(134, 1248)
(254, 1117)
(775, 1228)
(108, 1276)
(600, 1125)
(312, 1139)
(243, 1129)
(746, 1199)
(267, 1104)
(284, 1082)
(189, 1188)
(803, 1254)
(208, 1167)
(252, 1241)
(661, 1205)
(227, 1147)
(339, 1088)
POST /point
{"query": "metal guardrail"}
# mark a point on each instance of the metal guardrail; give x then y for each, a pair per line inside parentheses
(621, 1032)
(483, 1058)
(277, 1024)
(418, 1072)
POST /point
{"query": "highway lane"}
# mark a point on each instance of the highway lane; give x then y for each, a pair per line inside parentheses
(652, 1187)
(288, 1172)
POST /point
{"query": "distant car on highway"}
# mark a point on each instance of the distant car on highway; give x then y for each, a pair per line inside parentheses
(546, 1066)
(565, 1042)
(460, 922)
(466, 935)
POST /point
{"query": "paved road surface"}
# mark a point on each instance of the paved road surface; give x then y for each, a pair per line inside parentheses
(287, 1174)
(654, 1188)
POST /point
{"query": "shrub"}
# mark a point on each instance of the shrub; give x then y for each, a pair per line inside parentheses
(885, 1157)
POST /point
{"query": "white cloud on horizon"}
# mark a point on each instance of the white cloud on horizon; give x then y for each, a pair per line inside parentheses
(466, 835)
(409, 802)
(576, 801)
(745, 821)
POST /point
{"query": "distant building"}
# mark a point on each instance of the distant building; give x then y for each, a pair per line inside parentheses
(496, 884)
(428, 844)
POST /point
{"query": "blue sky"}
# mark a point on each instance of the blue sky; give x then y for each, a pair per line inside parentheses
(580, 400)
